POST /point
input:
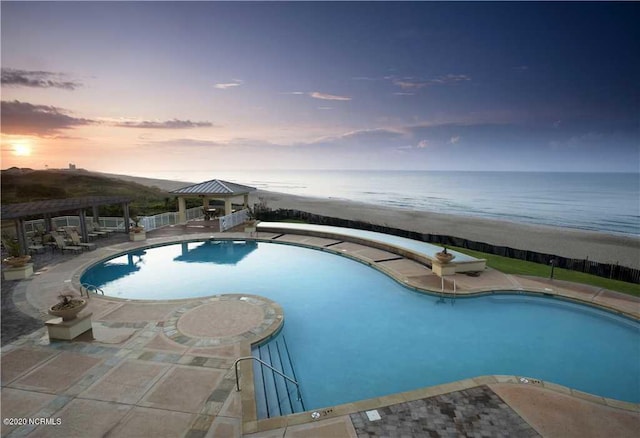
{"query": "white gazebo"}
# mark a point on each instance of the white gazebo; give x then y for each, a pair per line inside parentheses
(213, 189)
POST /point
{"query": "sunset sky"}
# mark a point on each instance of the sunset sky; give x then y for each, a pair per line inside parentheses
(150, 87)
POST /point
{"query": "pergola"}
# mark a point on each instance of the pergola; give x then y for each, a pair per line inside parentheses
(213, 189)
(76, 206)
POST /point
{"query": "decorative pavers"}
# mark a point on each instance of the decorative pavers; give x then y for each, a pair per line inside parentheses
(185, 325)
(472, 412)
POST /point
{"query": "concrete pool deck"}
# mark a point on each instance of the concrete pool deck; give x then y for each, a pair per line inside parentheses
(164, 368)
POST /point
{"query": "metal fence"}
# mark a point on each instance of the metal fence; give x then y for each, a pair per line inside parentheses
(606, 270)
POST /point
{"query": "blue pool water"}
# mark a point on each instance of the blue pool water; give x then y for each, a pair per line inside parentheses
(354, 333)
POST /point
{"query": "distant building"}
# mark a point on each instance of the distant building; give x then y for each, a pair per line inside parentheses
(72, 166)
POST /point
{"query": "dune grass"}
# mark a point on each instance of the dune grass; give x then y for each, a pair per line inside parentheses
(521, 267)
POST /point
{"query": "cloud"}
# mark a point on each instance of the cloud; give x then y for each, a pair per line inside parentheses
(36, 79)
(184, 142)
(42, 120)
(227, 85)
(324, 96)
(521, 68)
(325, 108)
(318, 95)
(409, 83)
(455, 139)
(422, 144)
(169, 124)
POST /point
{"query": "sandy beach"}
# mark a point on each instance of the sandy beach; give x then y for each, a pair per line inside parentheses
(565, 242)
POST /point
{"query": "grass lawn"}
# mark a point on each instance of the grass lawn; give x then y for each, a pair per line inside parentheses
(521, 267)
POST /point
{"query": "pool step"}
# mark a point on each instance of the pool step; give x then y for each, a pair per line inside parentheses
(275, 395)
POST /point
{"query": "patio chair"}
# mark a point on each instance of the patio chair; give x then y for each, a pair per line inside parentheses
(62, 245)
(76, 240)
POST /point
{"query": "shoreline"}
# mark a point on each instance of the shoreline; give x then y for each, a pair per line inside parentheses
(566, 242)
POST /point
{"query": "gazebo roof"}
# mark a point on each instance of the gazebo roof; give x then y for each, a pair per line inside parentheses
(17, 211)
(214, 187)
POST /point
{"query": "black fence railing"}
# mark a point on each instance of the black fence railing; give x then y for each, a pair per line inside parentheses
(606, 270)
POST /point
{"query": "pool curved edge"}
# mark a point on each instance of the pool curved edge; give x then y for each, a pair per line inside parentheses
(131, 246)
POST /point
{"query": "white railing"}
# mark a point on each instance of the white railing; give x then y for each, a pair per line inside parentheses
(170, 218)
(114, 223)
(233, 219)
(194, 213)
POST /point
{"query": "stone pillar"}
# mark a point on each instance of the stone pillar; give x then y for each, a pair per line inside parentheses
(246, 200)
(182, 210)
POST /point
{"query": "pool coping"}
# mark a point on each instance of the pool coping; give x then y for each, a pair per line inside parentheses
(250, 422)
(459, 266)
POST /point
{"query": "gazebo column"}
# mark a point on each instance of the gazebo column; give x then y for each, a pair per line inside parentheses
(227, 206)
(96, 218)
(21, 235)
(246, 200)
(83, 225)
(182, 210)
(125, 209)
(48, 225)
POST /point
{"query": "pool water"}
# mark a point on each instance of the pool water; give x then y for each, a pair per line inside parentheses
(354, 333)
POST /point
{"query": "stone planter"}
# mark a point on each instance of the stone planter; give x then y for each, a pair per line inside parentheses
(444, 257)
(67, 314)
(137, 235)
(251, 227)
(17, 261)
(18, 273)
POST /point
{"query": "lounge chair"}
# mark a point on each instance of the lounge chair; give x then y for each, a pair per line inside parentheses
(95, 229)
(62, 245)
(75, 239)
(35, 247)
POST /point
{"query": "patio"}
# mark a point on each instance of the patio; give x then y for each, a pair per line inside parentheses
(146, 375)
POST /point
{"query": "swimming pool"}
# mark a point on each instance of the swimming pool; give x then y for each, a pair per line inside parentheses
(355, 333)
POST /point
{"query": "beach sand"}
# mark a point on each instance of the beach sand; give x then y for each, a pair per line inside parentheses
(565, 242)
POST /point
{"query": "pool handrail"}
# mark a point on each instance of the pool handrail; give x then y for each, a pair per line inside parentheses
(86, 287)
(235, 366)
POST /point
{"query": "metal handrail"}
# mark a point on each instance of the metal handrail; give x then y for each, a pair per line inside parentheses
(235, 365)
(90, 288)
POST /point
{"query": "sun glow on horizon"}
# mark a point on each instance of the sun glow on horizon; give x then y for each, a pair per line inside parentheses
(21, 148)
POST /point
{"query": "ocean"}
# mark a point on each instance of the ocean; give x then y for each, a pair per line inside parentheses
(606, 202)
